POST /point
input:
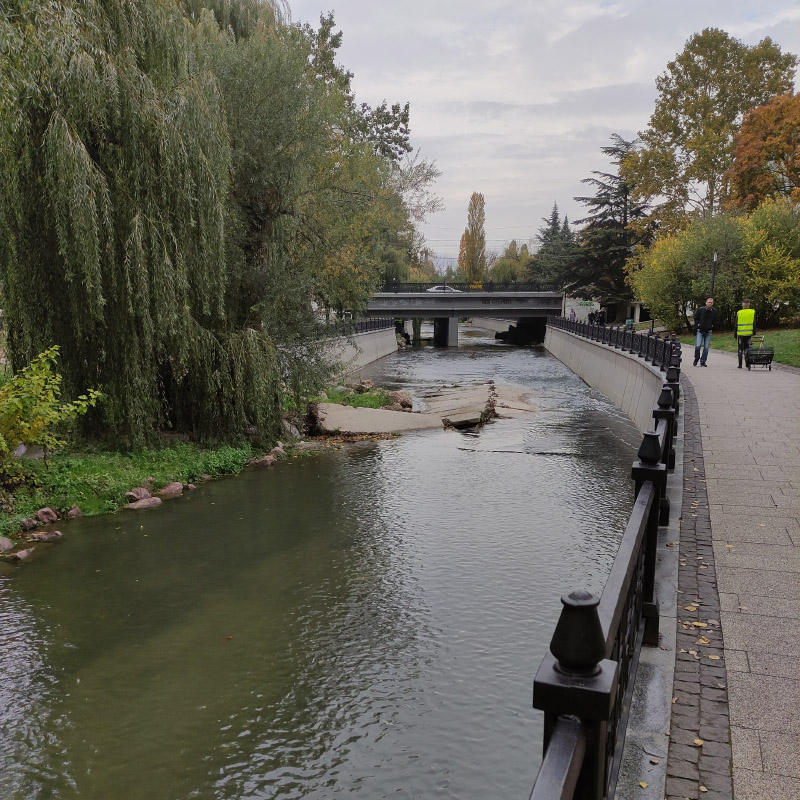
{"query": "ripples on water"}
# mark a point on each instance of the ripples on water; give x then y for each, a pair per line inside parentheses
(366, 621)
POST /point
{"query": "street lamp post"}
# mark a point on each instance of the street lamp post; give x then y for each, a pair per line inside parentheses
(713, 273)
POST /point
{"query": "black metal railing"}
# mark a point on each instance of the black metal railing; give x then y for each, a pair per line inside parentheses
(373, 324)
(585, 682)
(660, 350)
(350, 327)
(478, 286)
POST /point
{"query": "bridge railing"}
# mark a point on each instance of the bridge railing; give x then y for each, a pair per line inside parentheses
(479, 286)
(585, 682)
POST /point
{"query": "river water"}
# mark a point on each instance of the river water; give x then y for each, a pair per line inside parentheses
(363, 622)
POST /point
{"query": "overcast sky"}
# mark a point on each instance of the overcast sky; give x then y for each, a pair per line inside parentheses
(515, 99)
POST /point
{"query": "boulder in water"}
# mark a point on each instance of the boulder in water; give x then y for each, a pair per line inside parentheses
(147, 502)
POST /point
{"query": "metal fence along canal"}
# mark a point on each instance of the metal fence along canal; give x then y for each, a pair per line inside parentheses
(585, 681)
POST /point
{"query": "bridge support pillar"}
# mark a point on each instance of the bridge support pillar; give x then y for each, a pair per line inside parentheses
(445, 331)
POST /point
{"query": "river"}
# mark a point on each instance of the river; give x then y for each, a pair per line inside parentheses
(366, 621)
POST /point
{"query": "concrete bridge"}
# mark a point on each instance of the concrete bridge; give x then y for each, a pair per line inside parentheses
(529, 305)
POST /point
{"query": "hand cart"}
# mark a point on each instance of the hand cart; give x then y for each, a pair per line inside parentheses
(759, 356)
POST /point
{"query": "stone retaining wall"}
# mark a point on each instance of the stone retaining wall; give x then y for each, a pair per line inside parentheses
(627, 380)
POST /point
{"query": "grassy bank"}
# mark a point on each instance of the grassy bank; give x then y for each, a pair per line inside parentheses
(786, 343)
(96, 480)
(372, 398)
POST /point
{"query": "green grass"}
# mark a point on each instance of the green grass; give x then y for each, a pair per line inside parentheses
(374, 398)
(97, 480)
(786, 343)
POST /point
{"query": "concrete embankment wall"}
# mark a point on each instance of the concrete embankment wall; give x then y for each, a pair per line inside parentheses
(628, 381)
(364, 348)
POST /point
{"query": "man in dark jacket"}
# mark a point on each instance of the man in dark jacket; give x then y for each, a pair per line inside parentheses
(704, 319)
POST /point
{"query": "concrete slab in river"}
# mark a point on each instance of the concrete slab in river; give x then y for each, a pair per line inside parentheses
(457, 404)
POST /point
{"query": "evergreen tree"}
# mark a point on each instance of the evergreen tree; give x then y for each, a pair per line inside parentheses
(614, 227)
(557, 250)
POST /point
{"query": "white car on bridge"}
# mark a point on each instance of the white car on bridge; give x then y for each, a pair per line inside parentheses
(443, 288)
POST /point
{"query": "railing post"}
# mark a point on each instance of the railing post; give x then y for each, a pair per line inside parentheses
(666, 410)
(673, 381)
(650, 468)
(574, 679)
(666, 354)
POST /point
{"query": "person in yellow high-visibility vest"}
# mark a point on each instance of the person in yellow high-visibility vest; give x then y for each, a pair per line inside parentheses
(745, 328)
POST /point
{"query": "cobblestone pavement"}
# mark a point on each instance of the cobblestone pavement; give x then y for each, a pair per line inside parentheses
(737, 681)
(699, 760)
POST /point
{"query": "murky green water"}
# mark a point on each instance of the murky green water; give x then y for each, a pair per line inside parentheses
(366, 622)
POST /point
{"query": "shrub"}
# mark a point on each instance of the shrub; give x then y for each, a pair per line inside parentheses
(30, 406)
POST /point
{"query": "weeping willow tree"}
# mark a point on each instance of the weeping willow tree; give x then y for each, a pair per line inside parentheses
(114, 179)
(242, 18)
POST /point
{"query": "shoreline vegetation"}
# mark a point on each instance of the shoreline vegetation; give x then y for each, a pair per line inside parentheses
(99, 480)
(96, 479)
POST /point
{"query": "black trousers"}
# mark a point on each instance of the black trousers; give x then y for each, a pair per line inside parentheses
(744, 343)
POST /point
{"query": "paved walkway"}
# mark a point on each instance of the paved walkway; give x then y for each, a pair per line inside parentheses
(740, 535)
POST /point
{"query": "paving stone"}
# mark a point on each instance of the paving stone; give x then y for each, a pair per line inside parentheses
(774, 664)
(780, 753)
(679, 787)
(683, 769)
(710, 693)
(684, 752)
(762, 635)
(715, 764)
(719, 749)
(746, 746)
(681, 736)
(687, 718)
(758, 582)
(713, 676)
(714, 733)
(737, 661)
(717, 783)
(715, 719)
(766, 606)
(686, 700)
(751, 785)
(762, 530)
(749, 555)
(764, 702)
(740, 510)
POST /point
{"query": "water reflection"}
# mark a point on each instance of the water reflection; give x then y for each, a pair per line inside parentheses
(367, 620)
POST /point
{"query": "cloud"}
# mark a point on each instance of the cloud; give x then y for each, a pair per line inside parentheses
(515, 99)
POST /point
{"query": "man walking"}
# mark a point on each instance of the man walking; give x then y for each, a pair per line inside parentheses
(745, 328)
(704, 319)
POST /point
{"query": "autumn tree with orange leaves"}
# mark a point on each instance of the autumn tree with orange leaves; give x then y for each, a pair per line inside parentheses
(767, 158)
